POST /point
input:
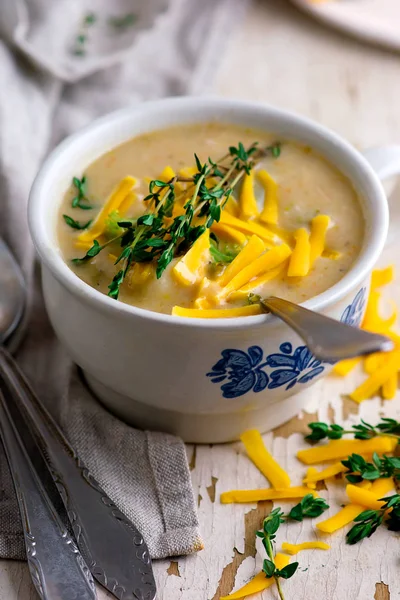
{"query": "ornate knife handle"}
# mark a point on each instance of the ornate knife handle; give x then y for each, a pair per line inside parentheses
(55, 563)
(111, 545)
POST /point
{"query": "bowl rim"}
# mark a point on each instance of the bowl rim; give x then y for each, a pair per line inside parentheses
(60, 269)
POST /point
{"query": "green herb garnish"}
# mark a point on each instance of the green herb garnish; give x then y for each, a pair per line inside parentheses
(308, 507)
(267, 534)
(92, 252)
(253, 298)
(157, 235)
(90, 18)
(123, 22)
(80, 200)
(359, 468)
(369, 520)
(223, 254)
(75, 224)
(113, 228)
(79, 48)
(275, 149)
(364, 431)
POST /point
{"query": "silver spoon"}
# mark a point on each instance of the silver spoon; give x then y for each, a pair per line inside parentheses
(328, 340)
(111, 545)
(55, 564)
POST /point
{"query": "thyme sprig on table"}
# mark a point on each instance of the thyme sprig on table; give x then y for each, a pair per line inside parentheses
(359, 469)
(267, 534)
(308, 507)
(160, 236)
(368, 521)
(362, 431)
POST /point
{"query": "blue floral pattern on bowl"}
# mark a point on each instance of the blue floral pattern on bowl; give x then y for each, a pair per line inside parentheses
(240, 372)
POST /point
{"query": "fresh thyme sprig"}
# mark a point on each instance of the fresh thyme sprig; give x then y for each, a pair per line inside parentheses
(368, 521)
(267, 534)
(363, 431)
(359, 468)
(93, 251)
(308, 507)
(75, 224)
(160, 236)
(80, 200)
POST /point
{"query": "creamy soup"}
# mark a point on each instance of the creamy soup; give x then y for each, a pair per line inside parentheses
(265, 216)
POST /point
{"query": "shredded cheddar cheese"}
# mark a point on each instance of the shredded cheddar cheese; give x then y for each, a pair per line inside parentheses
(254, 247)
(319, 227)
(247, 200)
(189, 268)
(367, 498)
(112, 203)
(372, 385)
(299, 264)
(227, 232)
(380, 487)
(243, 496)
(269, 260)
(331, 471)
(261, 279)
(293, 549)
(248, 227)
(389, 387)
(339, 449)
(382, 367)
(311, 471)
(260, 582)
(372, 320)
(372, 362)
(269, 213)
(345, 516)
(263, 460)
(381, 277)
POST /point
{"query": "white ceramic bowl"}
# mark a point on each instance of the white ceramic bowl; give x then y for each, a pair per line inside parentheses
(205, 380)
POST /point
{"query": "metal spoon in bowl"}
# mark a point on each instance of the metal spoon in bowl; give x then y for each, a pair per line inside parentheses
(111, 546)
(328, 340)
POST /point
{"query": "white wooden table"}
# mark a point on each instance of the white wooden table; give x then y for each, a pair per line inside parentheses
(281, 57)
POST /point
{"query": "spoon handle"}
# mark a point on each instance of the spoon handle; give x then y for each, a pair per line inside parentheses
(328, 340)
(111, 545)
(56, 566)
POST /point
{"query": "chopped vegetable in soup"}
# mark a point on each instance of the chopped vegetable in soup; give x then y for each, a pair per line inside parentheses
(203, 220)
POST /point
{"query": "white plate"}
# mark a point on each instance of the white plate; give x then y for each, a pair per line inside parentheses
(374, 20)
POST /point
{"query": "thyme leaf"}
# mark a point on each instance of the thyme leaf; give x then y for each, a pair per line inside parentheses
(80, 200)
(367, 522)
(308, 507)
(75, 224)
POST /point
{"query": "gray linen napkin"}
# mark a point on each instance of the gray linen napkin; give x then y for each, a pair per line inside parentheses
(62, 63)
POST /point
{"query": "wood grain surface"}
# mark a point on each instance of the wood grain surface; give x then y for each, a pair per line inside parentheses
(280, 56)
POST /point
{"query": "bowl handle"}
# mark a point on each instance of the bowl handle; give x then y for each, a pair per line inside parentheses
(385, 160)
